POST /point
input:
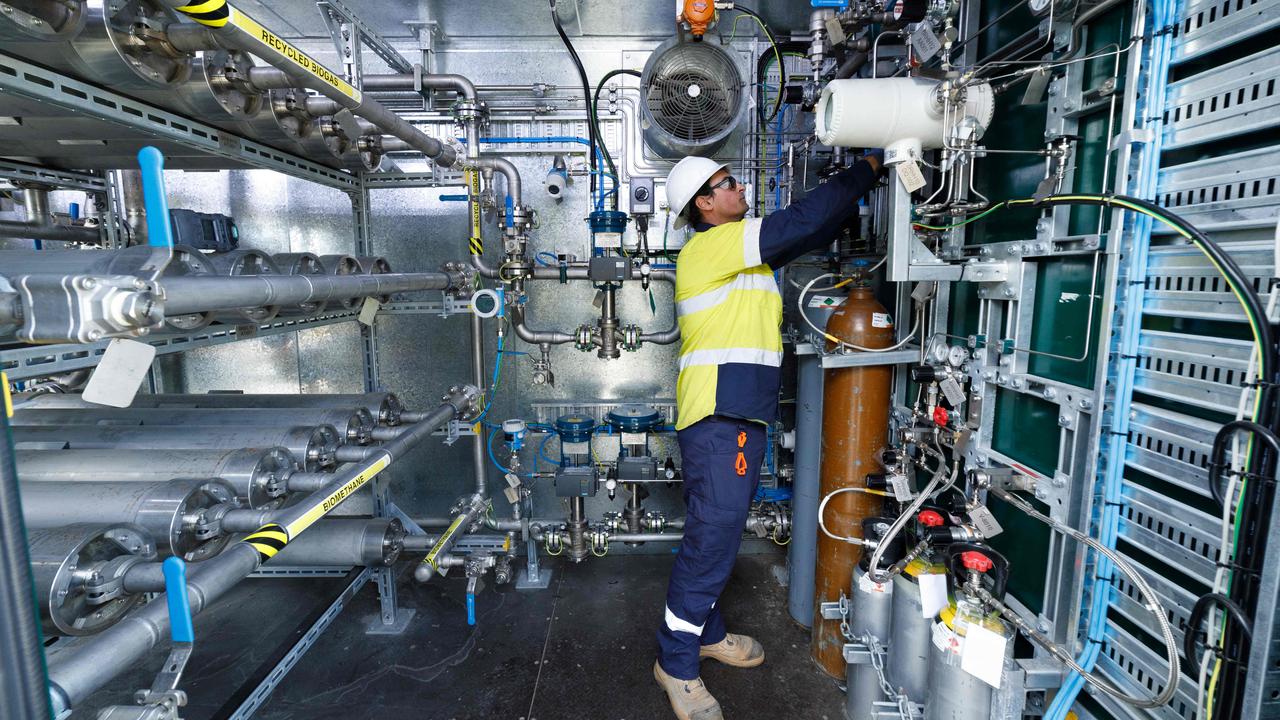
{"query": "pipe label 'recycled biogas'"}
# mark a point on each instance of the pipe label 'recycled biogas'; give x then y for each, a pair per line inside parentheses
(218, 13)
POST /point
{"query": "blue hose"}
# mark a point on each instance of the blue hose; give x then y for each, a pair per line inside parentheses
(1163, 12)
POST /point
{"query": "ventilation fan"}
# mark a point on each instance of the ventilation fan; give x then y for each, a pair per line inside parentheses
(693, 98)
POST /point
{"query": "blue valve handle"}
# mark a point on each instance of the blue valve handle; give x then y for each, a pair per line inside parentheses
(454, 198)
(175, 587)
(471, 608)
(829, 3)
(511, 206)
(159, 232)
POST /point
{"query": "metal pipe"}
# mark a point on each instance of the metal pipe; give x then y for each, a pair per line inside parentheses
(309, 73)
(801, 551)
(531, 336)
(51, 231)
(355, 425)
(384, 406)
(645, 537)
(345, 542)
(201, 294)
(144, 578)
(257, 475)
(22, 684)
(263, 79)
(313, 445)
(479, 463)
(74, 676)
(408, 81)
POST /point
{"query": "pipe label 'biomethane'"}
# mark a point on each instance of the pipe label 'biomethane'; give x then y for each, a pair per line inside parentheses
(271, 538)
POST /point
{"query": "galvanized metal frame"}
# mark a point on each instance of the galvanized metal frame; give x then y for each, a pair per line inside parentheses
(24, 79)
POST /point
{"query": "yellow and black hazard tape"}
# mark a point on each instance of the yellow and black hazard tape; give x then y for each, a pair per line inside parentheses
(268, 540)
(477, 246)
(213, 13)
(8, 398)
(433, 557)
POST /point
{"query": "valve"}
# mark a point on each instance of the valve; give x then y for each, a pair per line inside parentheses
(931, 518)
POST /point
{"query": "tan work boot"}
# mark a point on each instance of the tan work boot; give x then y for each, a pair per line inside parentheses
(737, 650)
(689, 698)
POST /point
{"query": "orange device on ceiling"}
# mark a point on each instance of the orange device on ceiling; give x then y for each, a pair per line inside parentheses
(699, 14)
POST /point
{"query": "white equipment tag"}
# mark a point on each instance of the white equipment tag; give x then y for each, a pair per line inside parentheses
(983, 654)
(119, 374)
(910, 176)
(933, 594)
(369, 311)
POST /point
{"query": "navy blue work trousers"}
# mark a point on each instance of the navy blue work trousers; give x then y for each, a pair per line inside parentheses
(720, 458)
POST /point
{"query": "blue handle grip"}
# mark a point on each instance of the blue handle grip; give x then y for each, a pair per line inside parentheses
(511, 207)
(453, 198)
(175, 588)
(471, 609)
(829, 3)
(159, 232)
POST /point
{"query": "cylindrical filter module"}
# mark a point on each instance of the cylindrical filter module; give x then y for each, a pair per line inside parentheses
(170, 512)
(257, 475)
(345, 542)
(65, 560)
(315, 447)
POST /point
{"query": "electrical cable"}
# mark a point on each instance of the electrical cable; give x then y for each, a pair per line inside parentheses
(586, 90)
(777, 106)
(594, 119)
(1152, 605)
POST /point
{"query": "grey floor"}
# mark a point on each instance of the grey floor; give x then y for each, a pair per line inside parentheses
(581, 649)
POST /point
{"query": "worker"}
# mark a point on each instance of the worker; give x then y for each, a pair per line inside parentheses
(730, 312)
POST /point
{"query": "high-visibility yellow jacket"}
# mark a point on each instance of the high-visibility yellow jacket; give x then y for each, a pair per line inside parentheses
(729, 307)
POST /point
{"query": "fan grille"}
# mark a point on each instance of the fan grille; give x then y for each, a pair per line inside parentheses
(693, 91)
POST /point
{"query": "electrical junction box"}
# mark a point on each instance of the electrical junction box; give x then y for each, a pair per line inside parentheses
(579, 481)
(609, 269)
(642, 200)
(637, 469)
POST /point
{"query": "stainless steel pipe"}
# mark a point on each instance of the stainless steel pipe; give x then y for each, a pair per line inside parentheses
(346, 542)
(314, 446)
(384, 406)
(257, 475)
(200, 294)
(355, 425)
(286, 58)
(74, 676)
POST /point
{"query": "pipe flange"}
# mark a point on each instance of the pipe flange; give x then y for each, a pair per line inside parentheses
(465, 111)
(461, 278)
(64, 561)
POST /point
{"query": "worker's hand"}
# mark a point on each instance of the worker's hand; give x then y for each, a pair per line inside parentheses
(875, 158)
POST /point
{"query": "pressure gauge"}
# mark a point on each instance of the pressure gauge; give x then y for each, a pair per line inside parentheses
(938, 349)
(957, 355)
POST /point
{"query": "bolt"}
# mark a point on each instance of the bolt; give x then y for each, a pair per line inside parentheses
(95, 335)
(1086, 404)
(88, 283)
(1008, 292)
(1041, 247)
(1012, 250)
(1059, 481)
(1064, 421)
(986, 252)
(1017, 383)
(1050, 393)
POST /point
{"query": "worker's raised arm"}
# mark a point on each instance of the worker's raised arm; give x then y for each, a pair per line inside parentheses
(813, 221)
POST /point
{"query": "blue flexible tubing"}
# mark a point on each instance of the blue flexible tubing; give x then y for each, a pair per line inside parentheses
(1163, 12)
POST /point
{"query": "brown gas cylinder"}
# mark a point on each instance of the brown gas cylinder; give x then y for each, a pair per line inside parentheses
(855, 425)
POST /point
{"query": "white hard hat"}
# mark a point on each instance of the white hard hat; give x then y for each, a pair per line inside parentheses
(684, 181)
